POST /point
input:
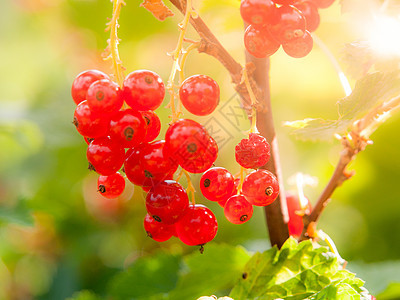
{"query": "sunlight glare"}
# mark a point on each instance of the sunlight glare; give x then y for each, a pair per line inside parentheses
(385, 37)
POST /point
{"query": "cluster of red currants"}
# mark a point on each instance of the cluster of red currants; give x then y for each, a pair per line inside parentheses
(259, 188)
(121, 137)
(281, 22)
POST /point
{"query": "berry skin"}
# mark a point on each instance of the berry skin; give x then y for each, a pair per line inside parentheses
(104, 97)
(82, 83)
(234, 192)
(295, 223)
(143, 90)
(204, 161)
(260, 188)
(152, 124)
(105, 156)
(128, 128)
(197, 226)
(289, 24)
(111, 186)
(299, 47)
(259, 42)
(257, 12)
(88, 123)
(310, 12)
(199, 94)
(285, 2)
(167, 201)
(238, 210)
(185, 140)
(253, 152)
(146, 164)
(323, 3)
(217, 184)
(157, 231)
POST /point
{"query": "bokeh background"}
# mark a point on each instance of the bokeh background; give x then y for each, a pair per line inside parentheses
(58, 236)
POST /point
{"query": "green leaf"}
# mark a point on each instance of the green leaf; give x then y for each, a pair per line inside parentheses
(84, 295)
(148, 276)
(18, 215)
(391, 293)
(297, 271)
(217, 269)
(369, 92)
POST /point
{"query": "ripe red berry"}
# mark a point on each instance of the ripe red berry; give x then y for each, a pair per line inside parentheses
(257, 12)
(159, 232)
(260, 188)
(199, 94)
(82, 83)
(104, 97)
(259, 42)
(253, 152)
(167, 201)
(289, 24)
(128, 128)
(146, 164)
(299, 47)
(234, 192)
(152, 124)
(295, 223)
(185, 140)
(238, 210)
(143, 90)
(217, 184)
(111, 186)
(310, 12)
(88, 123)
(105, 156)
(323, 3)
(197, 226)
(285, 2)
(206, 158)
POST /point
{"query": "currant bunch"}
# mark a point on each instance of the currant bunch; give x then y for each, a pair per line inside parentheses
(281, 22)
(120, 126)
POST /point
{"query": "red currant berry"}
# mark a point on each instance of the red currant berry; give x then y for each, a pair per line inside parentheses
(152, 124)
(289, 25)
(299, 47)
(82, 83)
(146, 164)
(323, 3)
(105, 156)
(88, 140)
(238, 210)
(143, 90)
(285, 2)
(104, 97)
(310, 12)
(88, 123)
(197, 226)
(111, 186)
(259, 42)
(217, 184)
(253, 152)
(205, 159)
(167, 201)
(185, 140)
(128, 128)
(199, 94)
(257, 12)
(260, 188)
(295, 223)
(158, 231)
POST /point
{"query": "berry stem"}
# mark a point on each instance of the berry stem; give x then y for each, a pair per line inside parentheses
(113, 42)
(176, 55)
(183, 60)
(190, 187)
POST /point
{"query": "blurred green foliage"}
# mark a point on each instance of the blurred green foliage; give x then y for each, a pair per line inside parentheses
(59, 237)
